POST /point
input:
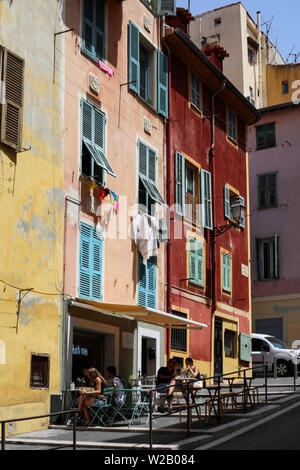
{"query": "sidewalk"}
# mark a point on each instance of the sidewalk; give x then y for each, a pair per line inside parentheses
(168, 432)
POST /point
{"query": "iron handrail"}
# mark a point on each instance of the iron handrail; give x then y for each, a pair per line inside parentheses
(14, 420)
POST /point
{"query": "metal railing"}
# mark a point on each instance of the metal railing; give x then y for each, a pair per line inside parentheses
(74, 412)
(190, 404)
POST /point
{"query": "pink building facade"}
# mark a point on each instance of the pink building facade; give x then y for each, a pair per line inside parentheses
(274, 172)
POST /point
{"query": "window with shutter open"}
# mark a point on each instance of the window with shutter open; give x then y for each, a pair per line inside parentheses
(93, 28)
(166, 7)
(12, 76)
(148, 192)
(93, 159)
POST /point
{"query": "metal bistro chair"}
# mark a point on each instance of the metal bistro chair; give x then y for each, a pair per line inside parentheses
(140, 403)
(100, 413)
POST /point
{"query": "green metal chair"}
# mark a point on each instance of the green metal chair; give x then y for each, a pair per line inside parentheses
(100, 414)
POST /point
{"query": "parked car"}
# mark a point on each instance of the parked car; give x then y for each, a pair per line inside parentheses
(271, 348)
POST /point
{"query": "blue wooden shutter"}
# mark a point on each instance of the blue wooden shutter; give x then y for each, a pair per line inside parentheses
(146, 282)
(142, 282)
(99, 29)
(87, 26)
(85, 261)
(192, 260)
(151, 283)
(180, 183)
(90, 265)
(134, 58)
(227, 209)
(162, 84)
(93, 28)
(206, 199)
(86, 121)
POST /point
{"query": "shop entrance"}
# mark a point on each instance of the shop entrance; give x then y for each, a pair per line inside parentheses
(148, 352)
(88, 350)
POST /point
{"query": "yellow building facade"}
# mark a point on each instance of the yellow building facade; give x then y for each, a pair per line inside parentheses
(283, 83)
(31, 208)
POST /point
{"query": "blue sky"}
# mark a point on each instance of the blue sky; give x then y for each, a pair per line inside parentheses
(285, 25)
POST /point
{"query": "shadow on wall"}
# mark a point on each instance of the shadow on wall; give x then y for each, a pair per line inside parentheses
(114, 18)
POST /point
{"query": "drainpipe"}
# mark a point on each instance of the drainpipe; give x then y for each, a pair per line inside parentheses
(169, 187)
(259, 61)
(212, 171)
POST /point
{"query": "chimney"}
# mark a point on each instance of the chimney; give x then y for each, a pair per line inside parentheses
(181, 20)
(216, 54)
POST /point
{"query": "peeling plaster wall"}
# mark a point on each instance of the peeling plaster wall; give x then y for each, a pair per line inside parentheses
(31, 212)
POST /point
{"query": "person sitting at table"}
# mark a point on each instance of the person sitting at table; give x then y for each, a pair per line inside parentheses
(119, 394)
(194, 374)
(94, 397)
(165, 381)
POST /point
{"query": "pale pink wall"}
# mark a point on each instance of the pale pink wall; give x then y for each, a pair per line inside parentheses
(125, 123)
(283, 220)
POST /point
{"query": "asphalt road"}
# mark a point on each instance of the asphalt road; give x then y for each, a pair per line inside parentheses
(280, 433)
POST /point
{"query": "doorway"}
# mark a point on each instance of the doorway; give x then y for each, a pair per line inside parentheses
(218, 348)
(148, 352)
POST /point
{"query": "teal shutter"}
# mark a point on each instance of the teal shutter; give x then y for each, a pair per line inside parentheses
(147, 283)
(243, 219)
(226, 272)
(142, 282)
(151, 284)
(86, 121)
(195, 92)
(85, 262)
(180, 183)
(90, 264)
(276, 258)
(227, 209)
(196, 261)
(134, 58)
(206, 200)
(245, 348)
(93, 28)
(162, 83)
(96, 287)
(232, 130)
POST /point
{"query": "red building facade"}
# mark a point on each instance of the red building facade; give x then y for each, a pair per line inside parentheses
(208, 273)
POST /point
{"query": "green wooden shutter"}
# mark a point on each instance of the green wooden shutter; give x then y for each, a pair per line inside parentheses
(276, 258)
(226, 272)
(206, 200)
(196, 261)
(162, 84)
(195, 92)
(245, 348)
(134, 58)
(227, 209)
(243, 220)
(180, 183)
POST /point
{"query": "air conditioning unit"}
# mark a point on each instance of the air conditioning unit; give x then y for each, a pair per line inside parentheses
(166, 7)
(252, 100)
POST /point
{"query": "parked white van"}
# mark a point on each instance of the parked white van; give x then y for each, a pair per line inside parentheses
(270, 347)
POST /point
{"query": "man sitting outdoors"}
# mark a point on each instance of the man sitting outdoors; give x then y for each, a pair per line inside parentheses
(165, 381)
